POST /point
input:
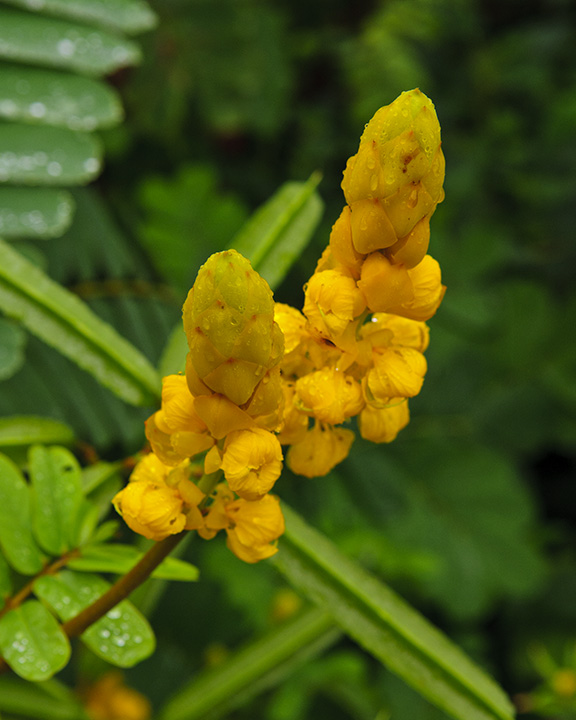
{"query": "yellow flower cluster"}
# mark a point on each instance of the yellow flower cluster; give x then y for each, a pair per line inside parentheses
(225, 408)
(258, 373)
(357, 349)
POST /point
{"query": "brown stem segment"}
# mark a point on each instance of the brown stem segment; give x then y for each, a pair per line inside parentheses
(123, 587)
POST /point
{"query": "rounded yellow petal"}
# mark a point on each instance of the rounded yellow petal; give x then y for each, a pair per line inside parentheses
(397, 372)
(383, 284)
(382, 425)
(371, 226)
(343, 250)
(252, 462)
(256, 523)
(248, 553)
(151, 509)
(426, 279)
(177, 412)
(150, 469)
(319, 451)
(331, 302)
(329, 395)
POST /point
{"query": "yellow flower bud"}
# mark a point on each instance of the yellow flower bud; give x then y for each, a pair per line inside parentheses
(256, 524)
(321, 449)
(382, 425)
(411, 249)
(329, 395)
(110, 699)
(397, 372)
(229, 323)
(331, 302)
(295, 423)
(428, 291)
(151, 509)
(267, 402)
(399, 146)
(221, 415)
(371, 226)
(385, 330)
(252, 462)
(177, 446)
(384, 285)
(341, 245)
(177, 412)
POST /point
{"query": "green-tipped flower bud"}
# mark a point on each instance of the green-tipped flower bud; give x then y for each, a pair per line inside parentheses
(395, 179)
(229, 322)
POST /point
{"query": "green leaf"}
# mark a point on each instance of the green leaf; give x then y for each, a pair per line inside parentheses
(119, 559)
(276, 234)
(122, 637)
(98, 474)
(48, 700)
(56, 497)
(388, 627)
(263, 664)
(32, 642)
(34, 212)
(33, 155)
(50, 97)
(38, 40)
(186, 218)
(12, 342)
(25, 430)
(16, 540)
(129, 16)
(62, 320)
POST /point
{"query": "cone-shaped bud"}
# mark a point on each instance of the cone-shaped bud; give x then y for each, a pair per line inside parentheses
(229, 323)
(400, 163)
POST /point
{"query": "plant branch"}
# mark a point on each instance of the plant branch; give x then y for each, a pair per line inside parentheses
(123, 587)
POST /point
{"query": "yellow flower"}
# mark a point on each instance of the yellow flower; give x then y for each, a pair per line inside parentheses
(411, 249)
(252, 462)
(329, 395)
(331, 302)
(397, 372)
(254, 526)
(295, 423)
(341, 245)
(383, 284)
(400, 331)
(177, 446)
(229, 323)
(177, 411)
(428, 291)
(382, 425)
(110, 699)
(321, 449)
(371, 226)
(151, 509)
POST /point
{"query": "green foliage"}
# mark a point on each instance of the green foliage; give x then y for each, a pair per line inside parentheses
(470, 512)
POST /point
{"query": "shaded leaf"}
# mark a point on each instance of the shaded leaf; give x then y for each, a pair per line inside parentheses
(130, 16)
(18, 544)
(122, 637)
(32, 642)
(50, 97)
(277, 232)
(388, 627)
(40, 40)
(186, 218)
(255, 668)
(34, 212)
(25, 430)
(48, 700)
(12, 343)
(119, 559)
(56, 497)
(33, 155)
(62, 320)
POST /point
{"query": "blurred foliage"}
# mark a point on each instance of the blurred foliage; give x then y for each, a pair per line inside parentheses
(471, 512)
